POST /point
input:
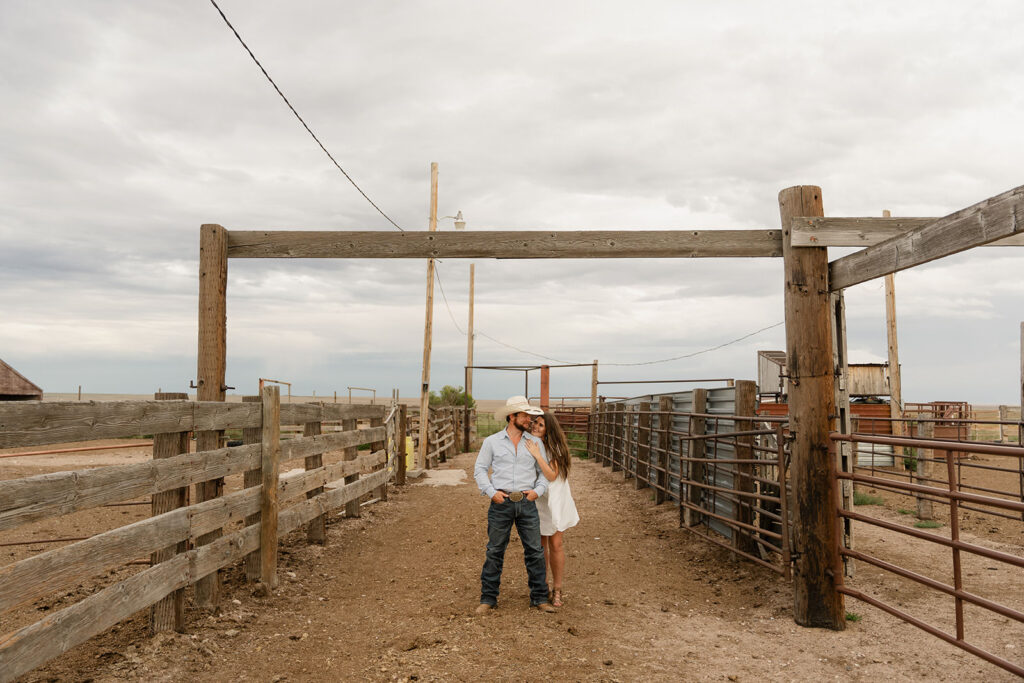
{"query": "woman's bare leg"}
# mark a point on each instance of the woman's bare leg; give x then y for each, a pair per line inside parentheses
(556, 556)
(546, 542)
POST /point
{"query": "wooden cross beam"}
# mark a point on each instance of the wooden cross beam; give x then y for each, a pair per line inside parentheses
(505, 244)
(987, 221)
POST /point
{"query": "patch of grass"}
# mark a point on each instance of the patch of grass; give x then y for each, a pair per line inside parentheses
(853, 616)
(867, 499)
(927, 524)
(904, 511)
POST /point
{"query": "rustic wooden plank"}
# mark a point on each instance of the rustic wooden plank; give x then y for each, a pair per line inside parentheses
(169, 613)
(504, 244)
(33, 423)
(987, 221)
(60, 631)
(57, 569)
(271, 442)
(47, 495)
(302, 413)
(816, 602)
(292, 486)
(400, 465)
(312, 445)
(865, 231)
(331, 499)
(351, 453)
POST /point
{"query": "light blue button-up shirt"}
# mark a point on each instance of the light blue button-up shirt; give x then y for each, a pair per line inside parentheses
(512, 468)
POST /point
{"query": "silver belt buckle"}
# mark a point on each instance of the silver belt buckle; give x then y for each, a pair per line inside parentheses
(516, 496)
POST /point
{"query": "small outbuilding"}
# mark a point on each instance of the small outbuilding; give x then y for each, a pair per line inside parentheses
(15, 387)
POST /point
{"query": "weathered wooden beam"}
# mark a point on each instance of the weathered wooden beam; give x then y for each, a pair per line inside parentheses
(809, 231)
(505, 244)
(987, 221)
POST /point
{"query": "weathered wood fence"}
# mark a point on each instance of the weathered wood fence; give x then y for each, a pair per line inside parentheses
(186, 543)
(709, 452)
(448, 432)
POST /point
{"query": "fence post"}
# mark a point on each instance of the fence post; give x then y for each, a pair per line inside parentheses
(381, 491)
(925, 467)
(697, 450)
(251, 435)
(746, 399)
(425, 436)
(271, 462)
(643, 447)
(629, 442)
(664, 443)
(400, 432)
(351, 453)
(616, 440)
(465, 430)
(316, 530)
(169, 612)
(816, 600)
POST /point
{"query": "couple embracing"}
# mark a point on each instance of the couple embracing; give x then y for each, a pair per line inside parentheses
(524, 470)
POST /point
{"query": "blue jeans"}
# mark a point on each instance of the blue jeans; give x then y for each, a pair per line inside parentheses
(500, 518)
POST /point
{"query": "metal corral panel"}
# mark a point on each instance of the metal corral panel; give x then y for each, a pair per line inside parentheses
(868, 379)
(720, 401)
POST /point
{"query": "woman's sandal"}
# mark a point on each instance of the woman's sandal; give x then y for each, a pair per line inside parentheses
(556, 597)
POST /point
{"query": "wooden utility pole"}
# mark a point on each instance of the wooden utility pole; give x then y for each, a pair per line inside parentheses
(545, 386)
(899, 428)
(211, 371)
(421, 455)
(811, 411)
(469, 336)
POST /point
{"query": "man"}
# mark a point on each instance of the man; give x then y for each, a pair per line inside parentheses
(516, 481)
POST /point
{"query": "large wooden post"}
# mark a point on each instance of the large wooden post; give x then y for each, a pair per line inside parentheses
(811, 412)
(251, 478)
(210, 374)
(351, 453)
(698, 448)
(169, 612)
(421, 456)
(271, 464)
(746, 405)
(400, 432)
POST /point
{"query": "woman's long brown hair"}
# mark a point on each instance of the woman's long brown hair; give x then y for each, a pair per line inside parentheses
(556, 445)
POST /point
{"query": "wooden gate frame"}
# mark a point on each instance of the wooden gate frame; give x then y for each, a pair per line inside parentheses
(892, 244)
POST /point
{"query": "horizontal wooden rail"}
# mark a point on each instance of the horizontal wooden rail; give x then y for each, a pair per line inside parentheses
(31, 423)
(295, 485)
(46, 495)
(301, 413)
(505, 244)
(33, 645)
(321, 443)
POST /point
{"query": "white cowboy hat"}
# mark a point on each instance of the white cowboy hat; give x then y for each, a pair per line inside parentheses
(516, 404)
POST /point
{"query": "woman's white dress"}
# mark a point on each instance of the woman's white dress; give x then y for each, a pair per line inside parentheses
(556, 508)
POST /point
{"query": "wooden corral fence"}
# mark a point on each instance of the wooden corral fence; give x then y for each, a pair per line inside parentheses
(448, 432)
(707, 451)
(185, 542)
(575, 422)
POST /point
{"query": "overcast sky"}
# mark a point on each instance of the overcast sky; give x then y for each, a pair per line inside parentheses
(127, 125)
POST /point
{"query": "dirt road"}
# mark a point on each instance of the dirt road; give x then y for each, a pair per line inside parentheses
(391, 598)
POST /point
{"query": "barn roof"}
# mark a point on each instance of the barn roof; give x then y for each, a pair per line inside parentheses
(13, 383)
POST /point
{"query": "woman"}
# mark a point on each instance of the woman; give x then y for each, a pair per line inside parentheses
(556, 508)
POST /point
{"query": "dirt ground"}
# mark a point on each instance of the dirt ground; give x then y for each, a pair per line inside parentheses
(390, 598)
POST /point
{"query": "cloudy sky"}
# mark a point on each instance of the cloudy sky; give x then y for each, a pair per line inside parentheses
(127, 125)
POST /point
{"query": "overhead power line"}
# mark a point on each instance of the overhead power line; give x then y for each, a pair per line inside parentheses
(301, 120)
(437, 274)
